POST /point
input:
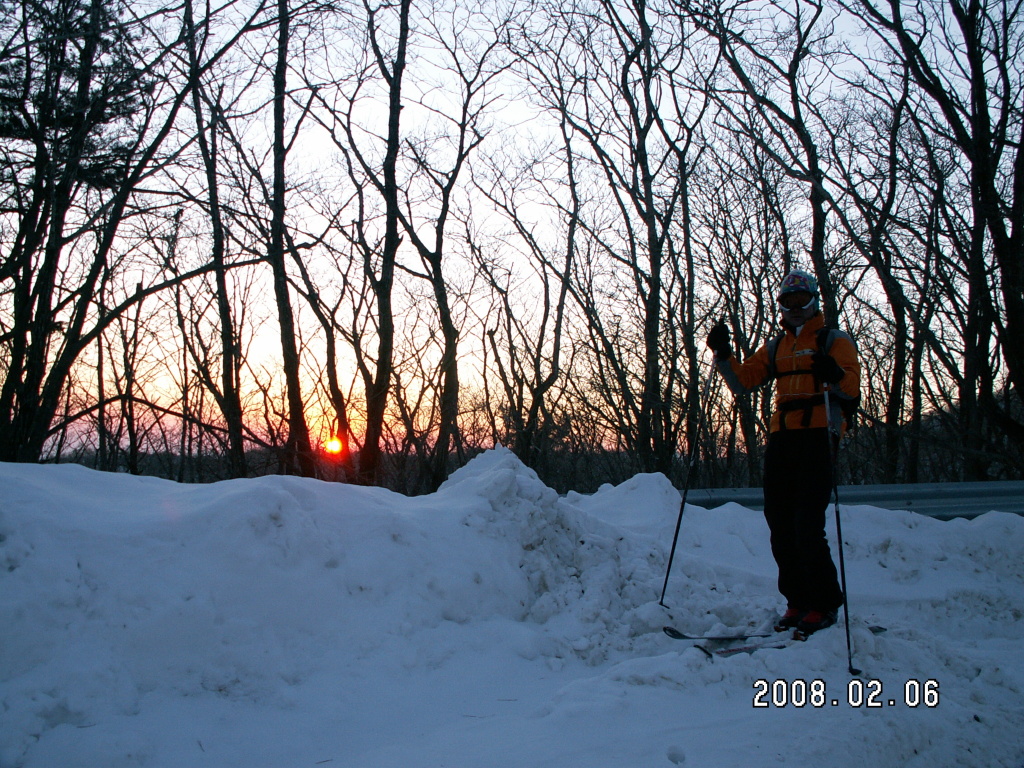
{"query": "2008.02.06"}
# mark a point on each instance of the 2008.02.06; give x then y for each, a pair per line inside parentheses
(869, 694)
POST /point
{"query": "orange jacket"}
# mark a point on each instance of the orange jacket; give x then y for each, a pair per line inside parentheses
(798, 395)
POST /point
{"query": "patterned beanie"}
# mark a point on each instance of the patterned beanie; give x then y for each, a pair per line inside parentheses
(796, 281)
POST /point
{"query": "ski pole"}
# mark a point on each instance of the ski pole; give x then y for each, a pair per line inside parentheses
(833, 446)
(691, 461)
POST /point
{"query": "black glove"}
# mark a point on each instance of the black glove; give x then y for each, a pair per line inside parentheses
(720, 341)
(825, 368)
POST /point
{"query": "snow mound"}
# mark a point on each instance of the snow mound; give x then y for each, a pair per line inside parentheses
(285, 622)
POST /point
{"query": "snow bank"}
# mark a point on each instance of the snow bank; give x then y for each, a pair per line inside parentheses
(283, 622)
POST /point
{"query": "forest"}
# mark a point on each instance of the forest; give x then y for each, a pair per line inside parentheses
(363, 241)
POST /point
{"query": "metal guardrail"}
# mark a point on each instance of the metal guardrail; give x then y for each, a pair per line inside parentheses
(943, 501)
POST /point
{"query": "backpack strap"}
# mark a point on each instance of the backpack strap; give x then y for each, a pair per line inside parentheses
(848, 407)
(773, 349)
(825, 338)
(805, 404)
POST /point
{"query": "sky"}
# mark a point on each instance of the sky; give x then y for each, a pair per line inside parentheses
(281, 622)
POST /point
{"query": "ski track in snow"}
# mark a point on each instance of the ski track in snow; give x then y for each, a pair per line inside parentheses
(281, 622)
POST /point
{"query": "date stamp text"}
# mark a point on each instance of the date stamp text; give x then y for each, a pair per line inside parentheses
(868, 694)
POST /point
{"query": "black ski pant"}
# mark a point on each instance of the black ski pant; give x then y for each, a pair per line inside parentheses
(797, 492)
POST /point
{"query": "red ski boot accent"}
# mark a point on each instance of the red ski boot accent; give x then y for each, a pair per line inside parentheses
(790, 619)
(813, 621)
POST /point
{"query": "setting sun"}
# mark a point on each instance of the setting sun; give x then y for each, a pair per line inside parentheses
(334, 445)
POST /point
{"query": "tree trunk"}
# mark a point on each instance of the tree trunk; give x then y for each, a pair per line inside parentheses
(383, 285)
(299, 452)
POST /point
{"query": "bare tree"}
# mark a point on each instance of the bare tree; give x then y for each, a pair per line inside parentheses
(371, 163)
(439, 156)
(607, 70)
(86, 113)
(525, 329)
(228, 394)
(777, 54)
(297, 445)
(965, 57)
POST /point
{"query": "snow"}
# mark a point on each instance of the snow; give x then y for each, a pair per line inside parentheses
(282, 622)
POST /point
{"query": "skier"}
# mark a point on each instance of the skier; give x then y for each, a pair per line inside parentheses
(798, 468)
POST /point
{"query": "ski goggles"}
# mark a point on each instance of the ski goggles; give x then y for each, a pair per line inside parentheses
(792, 302)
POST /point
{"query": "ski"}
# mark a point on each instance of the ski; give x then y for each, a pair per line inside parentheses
(750, 648)
(799, 636)
(795, 635)
(768, 640)
(675, 634)
(773, 643)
